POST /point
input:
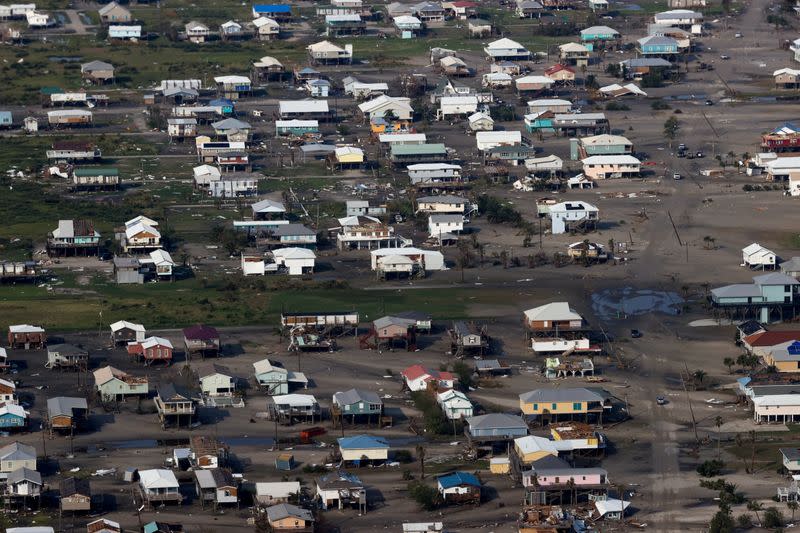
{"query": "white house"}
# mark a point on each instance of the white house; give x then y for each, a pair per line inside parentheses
(442, 204)
(216, 381)
(776, 408)
(457, 105)
(780, 168)
(417, 378)
(159, 483)
(756, 256)
(599, 167)
(125, 32)
(445, 226)
(427, 259)
(567, 215)
(297, 261)
(400, 107)
(276, 492)
(486, 140)
(38, 19)
(480, 122)
(506, 49)
(433, 172)
(197, 32)
(455, 404)
(267, 28)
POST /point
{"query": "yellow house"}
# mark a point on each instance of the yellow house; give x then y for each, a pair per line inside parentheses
(785, 359)
(286, 517)
(499, 465)
(582, 400)
(532, 448)
(349, 155)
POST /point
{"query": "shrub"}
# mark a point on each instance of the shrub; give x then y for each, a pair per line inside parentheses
(744, 521)
(659, 105)
(426, 496)
(773, 518)
(721, 523)
(403, 456)
(710, 468)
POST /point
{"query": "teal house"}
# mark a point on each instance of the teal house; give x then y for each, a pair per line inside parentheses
(656, 45)
(12, 416)
(770, 297)
(599, 34)
(296, 127)
(356, 402)
(541, 121)
(273, 379)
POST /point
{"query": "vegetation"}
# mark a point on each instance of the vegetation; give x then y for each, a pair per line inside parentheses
(710, 468)
(433, 418)
(427, 497)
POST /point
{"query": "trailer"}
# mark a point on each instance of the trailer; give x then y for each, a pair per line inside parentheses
(69, 117)
(325, 323)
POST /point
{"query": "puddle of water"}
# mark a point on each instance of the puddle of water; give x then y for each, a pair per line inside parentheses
(612, 304)
(65, 59)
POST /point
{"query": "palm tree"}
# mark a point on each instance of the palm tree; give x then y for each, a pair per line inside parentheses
(729, 362)
(699, 375)
(755, 507)
(793, 505)
(718, 423)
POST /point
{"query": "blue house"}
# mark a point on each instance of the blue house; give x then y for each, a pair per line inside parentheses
(769, 294)
(12, 416)
(656, 45)
(599, 33)
(459, 487)
(225, 106)
(5, 119)
(274, 11)
(541, 121)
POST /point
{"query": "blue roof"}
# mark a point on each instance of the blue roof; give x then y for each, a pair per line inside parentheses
(361, 442)
(221, 101)
(786, 127)
(794, 348)
(458, 478)
(272, 8)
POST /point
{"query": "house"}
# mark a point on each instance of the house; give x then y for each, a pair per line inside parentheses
(776, 408)
(97, 71)
(480, 122)
(445, 227)
(12, 416)
(123, 32)
(236, 184)
(600, 167)
(141, 235)
(231, 30)
(486, 140)
(294, 235)
(479, 28)
(419, 378)
(756, 256)
(66, 356)
(217, 486)
(603, 144)
(505, 48)
(70, 151)
(683, 4)
(291, 406)
(362, 91)
(202, 340)
(65, 413)
(598, 5)
(459, 487)
(460, 9)
(657, 46)
(454, 66)
(682, 18)
(288, 518)
(429, 11)
(296, 127)
(267, 28)
(782, 168)
(544, 479)
(95, 178)
(233, 87)
(15, 456)
(318, 88)
(554, 317)
(114, 13)
(356, 231)
(128, 270)
(114, 385)
(615, 90)
(495, 427)
(528, 9)
(442, 204)
(327, 53)
(790, 459)
(276, 492)
(24, 483)
(763, 342)
(533, 83)
(339, 489)
(75, 237)
(197, 32)
(362, 207)
(216, 380)
(151, 349)
(405, 154)
(784, 359)
(268, 210)
(599, 35)
(26, 337)
(681, 36)
(357, 402)
(232, 129)
(530, 449)
(159, 486)
(275, 11)
(561, 74)
(173, 404)
(547, 403)
(103, 525)
(69, 117)
(363, 449)
(75, 494)
(295, 261)
(39, 19)
(423, 259)
(768, 294)
(399, 107)
(8, 392)
(339, 25)
(347, 157)
(304, 109)
(497, 80)
(433, 173)
(574, 54)
(455, 404)
(786, 78)
(573, 216)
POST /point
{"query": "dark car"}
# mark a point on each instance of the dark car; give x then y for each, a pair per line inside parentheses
(709, 102)
(636, 334)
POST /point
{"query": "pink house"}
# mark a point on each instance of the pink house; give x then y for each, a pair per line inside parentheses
(558, 477)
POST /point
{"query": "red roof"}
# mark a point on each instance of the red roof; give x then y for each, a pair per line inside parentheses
(558, 68)
(445, 376)
(771, 338)
(200, 332)
(415, 372)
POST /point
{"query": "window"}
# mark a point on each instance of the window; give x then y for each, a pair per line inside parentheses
(536, 407)
(576, 406)
(787, 288)
(555, 406)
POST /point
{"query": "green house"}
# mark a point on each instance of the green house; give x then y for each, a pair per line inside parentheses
(358, 402)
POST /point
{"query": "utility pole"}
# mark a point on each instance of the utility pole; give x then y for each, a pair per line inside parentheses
(689, 400)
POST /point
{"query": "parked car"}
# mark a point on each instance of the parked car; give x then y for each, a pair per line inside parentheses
(636, 334)
(699, 155)
(724, 57)
(676, 176)
(660, 400)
